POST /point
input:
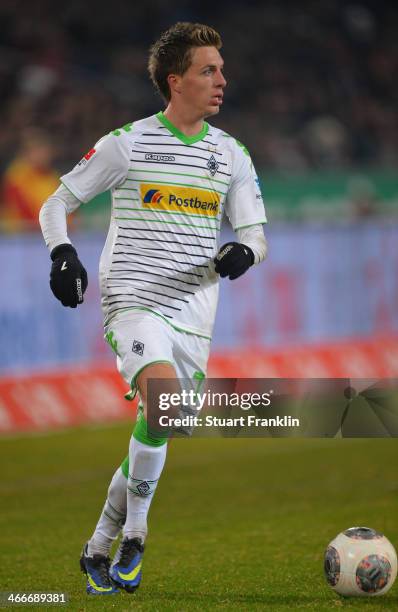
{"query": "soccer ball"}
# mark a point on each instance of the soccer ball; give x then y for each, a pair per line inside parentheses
(360, 562)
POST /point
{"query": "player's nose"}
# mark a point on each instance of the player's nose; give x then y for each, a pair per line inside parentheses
(220, 79)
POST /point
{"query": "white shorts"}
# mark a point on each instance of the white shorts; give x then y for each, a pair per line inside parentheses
(141, 338)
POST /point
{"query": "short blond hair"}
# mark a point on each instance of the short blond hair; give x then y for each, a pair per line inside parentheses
(171, 53)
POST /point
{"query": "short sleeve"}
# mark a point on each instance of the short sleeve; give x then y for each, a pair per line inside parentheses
(244, 204)
(105, 166)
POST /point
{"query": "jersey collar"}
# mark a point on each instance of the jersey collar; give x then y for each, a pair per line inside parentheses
(178, 134)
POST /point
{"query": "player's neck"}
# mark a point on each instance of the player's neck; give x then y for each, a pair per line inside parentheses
(184, 120)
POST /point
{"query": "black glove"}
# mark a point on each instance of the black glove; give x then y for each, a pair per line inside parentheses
(233, 260)
(68, 278)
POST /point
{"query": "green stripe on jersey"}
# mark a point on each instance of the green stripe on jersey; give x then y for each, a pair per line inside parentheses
(176, 184)
(158, 210)
(208, 227)
(207, 178)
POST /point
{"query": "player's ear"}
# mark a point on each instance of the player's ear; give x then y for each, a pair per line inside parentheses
(174, 81)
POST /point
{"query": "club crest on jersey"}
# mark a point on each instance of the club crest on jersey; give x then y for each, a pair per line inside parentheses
(191, 200)
(212, 165)
(138, 347)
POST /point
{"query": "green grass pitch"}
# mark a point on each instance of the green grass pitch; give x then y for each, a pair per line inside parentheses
(236, 524)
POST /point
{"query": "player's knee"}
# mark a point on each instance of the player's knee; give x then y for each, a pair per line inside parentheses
(153, 381)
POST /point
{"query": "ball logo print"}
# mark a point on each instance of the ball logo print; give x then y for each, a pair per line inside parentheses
(360, 562)
(332, 566)
(373, 573)
(363, 533)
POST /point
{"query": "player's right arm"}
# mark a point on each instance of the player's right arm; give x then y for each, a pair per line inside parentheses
(245, 209)
(104, 167)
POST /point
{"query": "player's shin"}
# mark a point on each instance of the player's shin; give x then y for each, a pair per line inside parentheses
(147, 455)
(112, 517)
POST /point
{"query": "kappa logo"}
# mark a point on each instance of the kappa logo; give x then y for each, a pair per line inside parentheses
(212, 165)
(159, 157)
(79, 289)
(138, 347)
(225, 251)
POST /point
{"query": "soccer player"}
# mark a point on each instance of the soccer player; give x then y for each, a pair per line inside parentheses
(171, 176)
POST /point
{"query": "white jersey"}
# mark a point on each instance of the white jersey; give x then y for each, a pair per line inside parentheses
(169, 192)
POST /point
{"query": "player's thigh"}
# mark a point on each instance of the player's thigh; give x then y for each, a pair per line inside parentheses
(190, 356)
(163, 377)
(141, 341)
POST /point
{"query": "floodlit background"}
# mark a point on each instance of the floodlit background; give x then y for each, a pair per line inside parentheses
(236, 523)
(312, 92)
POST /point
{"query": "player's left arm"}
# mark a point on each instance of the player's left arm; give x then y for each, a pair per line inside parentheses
(245, 210)
(235, 258)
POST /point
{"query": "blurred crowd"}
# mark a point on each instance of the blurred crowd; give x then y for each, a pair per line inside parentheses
(311, 85)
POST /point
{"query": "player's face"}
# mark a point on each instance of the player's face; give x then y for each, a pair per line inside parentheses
(201, 86)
